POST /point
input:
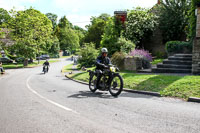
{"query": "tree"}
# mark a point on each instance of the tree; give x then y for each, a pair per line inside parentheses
(173, 19)
(110, 37)
(68, 39)
(88, 55)
(31, 31)
(53, 18)
(55, 47)
(192, 19)
(96, 29)
(140, 24)
(81, 34)
(125, 45)
(4, 16)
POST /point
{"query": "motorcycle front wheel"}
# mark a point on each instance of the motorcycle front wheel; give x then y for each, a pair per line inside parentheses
(92, 83)
(116, 85)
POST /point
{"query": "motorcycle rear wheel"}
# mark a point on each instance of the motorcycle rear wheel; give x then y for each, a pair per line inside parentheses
(116, 85)
(92, 83)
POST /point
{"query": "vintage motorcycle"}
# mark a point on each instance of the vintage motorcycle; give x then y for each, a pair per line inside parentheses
(45, 69)
(110, 81)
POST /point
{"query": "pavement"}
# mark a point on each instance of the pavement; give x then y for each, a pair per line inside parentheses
(74, 71)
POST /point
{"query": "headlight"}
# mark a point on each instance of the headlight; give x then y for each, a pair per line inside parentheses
(112, 69)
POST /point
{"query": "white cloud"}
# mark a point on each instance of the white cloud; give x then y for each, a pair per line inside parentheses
(9, 4)
(80, 11)
(78, 20)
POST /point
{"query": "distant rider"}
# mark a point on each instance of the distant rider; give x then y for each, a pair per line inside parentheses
(102, 62)
(46, 64)
(1, 67)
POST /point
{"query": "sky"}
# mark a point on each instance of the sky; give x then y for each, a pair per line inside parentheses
(78, 12)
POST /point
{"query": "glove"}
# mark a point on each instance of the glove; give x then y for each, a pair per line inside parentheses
(106, 67)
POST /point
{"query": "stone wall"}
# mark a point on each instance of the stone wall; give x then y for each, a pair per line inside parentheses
(132, 64)
(196, 47)
(155, 44)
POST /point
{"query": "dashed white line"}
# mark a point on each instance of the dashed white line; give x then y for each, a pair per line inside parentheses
(46, 99)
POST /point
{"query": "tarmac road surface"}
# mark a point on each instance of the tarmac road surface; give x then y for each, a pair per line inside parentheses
(31, 102)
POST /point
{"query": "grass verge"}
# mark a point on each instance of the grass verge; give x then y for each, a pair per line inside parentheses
(20, 65)
(167, 85)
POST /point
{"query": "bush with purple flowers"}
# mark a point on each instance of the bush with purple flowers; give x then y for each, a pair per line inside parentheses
(141, 53)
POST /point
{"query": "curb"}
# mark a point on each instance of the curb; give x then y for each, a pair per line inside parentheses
(124, 89)
(157, 94)
(77, 80)
(194, 99)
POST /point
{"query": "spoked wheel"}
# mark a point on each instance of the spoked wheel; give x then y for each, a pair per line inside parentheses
(44, 70)
(116, 85)
(92, 83)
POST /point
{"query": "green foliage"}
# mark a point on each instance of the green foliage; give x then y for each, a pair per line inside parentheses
(178, 47)
(31, 32)
(55, 47)
(53, 18)
(81, 34)
(96, 29)
(173, 19)
(68, 38)
(88, 55)
(140, 24)
(63, 23)
(126, 46)
(110, 37)
(118, 59)
(156, 61)
(4, 16)
(192, 19)
(160, 55)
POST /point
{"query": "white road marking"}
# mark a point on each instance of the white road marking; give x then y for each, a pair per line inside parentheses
(46, 99)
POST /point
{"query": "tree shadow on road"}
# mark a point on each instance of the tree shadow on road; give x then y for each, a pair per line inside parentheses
(106, 94)
(86, 94)
(134, 95)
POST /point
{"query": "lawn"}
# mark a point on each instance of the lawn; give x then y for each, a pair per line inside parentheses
(167, 85)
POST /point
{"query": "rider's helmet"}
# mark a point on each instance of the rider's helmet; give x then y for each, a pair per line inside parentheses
(104, 50)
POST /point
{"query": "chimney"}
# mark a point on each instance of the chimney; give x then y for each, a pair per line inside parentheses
(158, 2)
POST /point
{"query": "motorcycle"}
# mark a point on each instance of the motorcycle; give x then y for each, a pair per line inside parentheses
(45, 69)
(110, 81)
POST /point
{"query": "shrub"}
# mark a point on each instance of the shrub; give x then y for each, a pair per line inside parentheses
(178, 47)
(126, 45)
(160, 55)
(118, 59)
(144, 55)
(141, 54)
(87, 55)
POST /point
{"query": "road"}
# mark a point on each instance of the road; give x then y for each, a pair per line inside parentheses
(31, 102)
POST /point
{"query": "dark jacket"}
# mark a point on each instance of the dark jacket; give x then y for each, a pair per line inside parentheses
(101, 62)
(46, 63)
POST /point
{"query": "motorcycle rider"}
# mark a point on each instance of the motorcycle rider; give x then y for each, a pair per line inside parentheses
(46, 64)
(1, 67)
(102, 62)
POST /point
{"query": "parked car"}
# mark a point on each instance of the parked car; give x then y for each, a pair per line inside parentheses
(21, 60)
(6, 60)
(42, 57)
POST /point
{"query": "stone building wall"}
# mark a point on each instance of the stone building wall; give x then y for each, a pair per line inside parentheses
(132, 64)
(196, 47)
